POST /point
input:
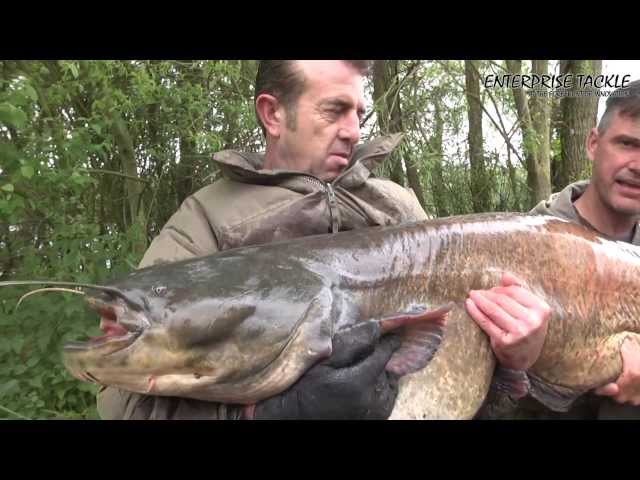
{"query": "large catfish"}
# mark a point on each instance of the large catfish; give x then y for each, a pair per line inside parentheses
(244, 324)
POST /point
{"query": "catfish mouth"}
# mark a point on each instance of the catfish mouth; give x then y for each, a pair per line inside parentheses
(119, 331)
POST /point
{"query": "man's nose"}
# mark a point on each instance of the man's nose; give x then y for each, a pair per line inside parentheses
(350, 128)
(634, 164)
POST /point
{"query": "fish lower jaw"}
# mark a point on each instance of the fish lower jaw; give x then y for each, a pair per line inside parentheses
(100, 346)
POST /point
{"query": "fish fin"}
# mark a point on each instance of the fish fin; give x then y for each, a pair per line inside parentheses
(151, 384)
(421, 335)
(555, 397)
(352, 344)
(514, 383)
(497, 405)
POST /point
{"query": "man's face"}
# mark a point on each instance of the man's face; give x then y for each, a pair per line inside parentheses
(327, 119)
(616, 164)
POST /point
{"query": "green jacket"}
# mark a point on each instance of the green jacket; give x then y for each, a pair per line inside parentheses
(561, 205)
(590, 406)
(251, 206)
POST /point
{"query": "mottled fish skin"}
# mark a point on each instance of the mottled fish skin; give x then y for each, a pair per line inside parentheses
(591, 284)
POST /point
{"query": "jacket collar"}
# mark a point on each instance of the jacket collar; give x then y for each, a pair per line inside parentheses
(247, 167)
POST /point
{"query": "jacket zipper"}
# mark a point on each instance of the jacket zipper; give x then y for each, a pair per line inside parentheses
(331, 194)
(334, 213)
(328, 189)
(333, 208)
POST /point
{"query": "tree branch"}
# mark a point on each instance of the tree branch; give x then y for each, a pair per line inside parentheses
(111, 172)
(502, 133)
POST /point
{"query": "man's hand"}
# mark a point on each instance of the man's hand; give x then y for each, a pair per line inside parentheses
(514, 319)
(626, 388)
(351, 384)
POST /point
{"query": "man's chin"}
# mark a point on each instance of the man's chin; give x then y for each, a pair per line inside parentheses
(626, 206)
(328, 176)
(628, 210)
(334, 166)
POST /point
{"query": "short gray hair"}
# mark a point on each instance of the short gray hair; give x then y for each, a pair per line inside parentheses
(625, 101)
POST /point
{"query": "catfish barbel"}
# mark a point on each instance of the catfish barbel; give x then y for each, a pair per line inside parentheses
(242, 325)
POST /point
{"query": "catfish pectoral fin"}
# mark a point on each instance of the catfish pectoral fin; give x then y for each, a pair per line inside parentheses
(507, 387)
(422, 332)
(514, 383)
(518, 383)
(416, 315)
(555, 397)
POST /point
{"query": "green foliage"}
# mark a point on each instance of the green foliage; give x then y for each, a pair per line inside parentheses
(11, 115)
(65, 207)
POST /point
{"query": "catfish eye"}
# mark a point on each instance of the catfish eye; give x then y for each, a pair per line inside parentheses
(159, 290)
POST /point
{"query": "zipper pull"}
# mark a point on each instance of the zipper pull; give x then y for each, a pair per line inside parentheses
(332, 195)
(333, 208)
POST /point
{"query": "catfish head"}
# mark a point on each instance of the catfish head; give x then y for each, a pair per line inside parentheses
(248, 321)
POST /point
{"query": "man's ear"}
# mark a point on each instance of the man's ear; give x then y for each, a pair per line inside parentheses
(592, 143)
(270, 113)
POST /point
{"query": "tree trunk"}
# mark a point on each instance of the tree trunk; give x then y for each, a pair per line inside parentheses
(480, 186)
(579, 115)
(540, 108)
(386, 98)
(387, 91)
(185, 170)
(435, 146)
(133, 189)
(555, 133)
(534, 125)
